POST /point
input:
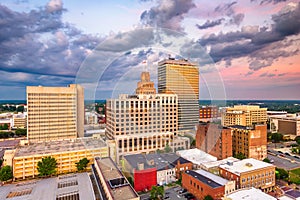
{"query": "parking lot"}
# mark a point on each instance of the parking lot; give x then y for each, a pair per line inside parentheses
(170, 193)
(282, 160)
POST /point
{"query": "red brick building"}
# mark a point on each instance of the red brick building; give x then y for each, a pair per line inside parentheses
(214, 139)
(207, 112)
(202, 183)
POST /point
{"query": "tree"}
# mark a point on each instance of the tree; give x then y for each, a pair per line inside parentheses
(167, 149)
(208, 197)
(157, 192)
(47, 166)
(6, 173)
(1, 161)
(82, 164)
(267, 160)
(281, 173)
(297, 139)
(277, 137)
(21, 132)
(193, 143)
(240, 156)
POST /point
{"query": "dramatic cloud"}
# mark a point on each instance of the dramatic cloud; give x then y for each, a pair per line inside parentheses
(39, 42)
(269, 1)
(262, 45)
(167, 14)
(209, 24)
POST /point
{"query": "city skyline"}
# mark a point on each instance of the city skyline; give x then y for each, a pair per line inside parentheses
(253, 44)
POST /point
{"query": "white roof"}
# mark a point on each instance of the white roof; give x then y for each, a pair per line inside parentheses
(245, 165)
(208, 165)
(213, 177)
(196, 156)
(249, 194)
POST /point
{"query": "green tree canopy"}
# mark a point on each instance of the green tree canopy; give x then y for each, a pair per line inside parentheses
(6, 173)
(21, 132)
(208, 197)
(277, 137)
(281, 173)
(167, 149)
(267, 160)
(240, 156)
(157, 192)
(47, 166)
(82, 164)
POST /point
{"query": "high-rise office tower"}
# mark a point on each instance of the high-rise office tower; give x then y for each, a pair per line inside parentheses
(55, 113)
(182, 78)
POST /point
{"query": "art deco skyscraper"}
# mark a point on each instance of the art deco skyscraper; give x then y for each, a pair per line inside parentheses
(55, 113)
(182, 78)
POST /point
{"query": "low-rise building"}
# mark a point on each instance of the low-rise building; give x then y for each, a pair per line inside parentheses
(213, 167)
(196, 156)
(202, 183)
(66, 152)
(111, 181)
(249, 173)
(248, 194)
(71, 186)
(250, 141)
(288, 124)
(214, 139)
(19, 121)
(208, 112)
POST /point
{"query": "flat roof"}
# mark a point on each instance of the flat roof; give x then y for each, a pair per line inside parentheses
(211, 176)
(160, 161)
(249, 194)
(110, 173)
(9, 143)
(204, 179)
(59, 146)
(245, 165)
(217, 163)
(77, 185)
(176, 62)
(196, 156)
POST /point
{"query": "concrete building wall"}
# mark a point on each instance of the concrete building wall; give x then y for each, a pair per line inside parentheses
(55, 113)
(287, 127)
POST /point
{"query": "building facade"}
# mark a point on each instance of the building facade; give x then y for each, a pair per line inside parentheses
(66, 153)
(208, 112)
(250, 141)
(55, 113)
(145, 86)
(214, 139)
(244, 115)
(249, 173)
(182, 78)
(202, 183)
(139, 114)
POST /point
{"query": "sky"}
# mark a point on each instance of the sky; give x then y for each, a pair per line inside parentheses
(247, 49)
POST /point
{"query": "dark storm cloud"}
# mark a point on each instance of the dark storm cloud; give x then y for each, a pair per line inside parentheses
(226, 8)
(38, 42)
(237, 18)
(209, 24)
(167, 14)
(261, 45)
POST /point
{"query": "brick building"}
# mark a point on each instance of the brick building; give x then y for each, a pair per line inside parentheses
(214, 139)
(202, 183)
(249, 173)
(250, 141)
(208, 112)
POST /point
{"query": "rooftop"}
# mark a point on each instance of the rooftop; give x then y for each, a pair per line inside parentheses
(196, 156)
(114, 177)
(249, 194)
(208, 165)
(245, 165)
(9, 143)
(183, 62)
(67, 187)
(158, 161)
(207, 178)
(60, 146)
